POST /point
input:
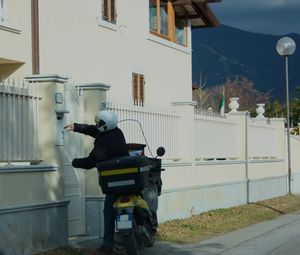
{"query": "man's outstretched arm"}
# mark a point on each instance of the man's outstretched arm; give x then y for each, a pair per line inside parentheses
(90, 130)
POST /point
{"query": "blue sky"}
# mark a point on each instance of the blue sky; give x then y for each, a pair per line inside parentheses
(276, 17)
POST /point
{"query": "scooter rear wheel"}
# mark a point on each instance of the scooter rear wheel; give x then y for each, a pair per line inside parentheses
(131, 244)
(152, 241)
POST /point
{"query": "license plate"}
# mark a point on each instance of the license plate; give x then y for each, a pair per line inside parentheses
(124, 221)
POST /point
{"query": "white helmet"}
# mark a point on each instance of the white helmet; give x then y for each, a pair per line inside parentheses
(106, 120)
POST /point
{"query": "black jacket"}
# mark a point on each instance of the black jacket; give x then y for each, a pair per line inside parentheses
(107, 145)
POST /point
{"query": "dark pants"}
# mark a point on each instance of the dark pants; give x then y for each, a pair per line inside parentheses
(109, 219)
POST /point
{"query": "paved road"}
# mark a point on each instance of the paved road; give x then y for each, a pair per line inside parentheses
(275, 237)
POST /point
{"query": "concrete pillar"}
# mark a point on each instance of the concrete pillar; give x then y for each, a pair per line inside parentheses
(187, 139)
(51, 90)
(94, 98)
(51, 107)
(242, 119)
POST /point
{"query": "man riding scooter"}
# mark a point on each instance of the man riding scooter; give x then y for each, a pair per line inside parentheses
(109, 143)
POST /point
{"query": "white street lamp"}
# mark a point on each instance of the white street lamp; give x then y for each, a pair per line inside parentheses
(286, 47)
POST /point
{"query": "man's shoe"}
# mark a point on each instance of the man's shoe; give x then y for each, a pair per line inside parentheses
(105, 249)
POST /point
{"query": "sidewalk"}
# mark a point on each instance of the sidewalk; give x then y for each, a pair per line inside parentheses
(260, 238)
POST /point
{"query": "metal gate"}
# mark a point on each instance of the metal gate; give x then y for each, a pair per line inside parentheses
(74, 178)
(18, 122)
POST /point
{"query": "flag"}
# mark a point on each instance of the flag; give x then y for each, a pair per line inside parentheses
(222, 104)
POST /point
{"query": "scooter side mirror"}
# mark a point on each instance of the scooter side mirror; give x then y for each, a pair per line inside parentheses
(160, 151)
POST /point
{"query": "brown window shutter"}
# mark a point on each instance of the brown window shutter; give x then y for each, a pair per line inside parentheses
(141, 90)
(135, 88)
(113, 11)
(105, 9)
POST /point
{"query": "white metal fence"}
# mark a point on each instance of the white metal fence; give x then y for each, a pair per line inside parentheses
(216, 138)
(262, 140)
(162, 127)
(18, 122)
(225, 138)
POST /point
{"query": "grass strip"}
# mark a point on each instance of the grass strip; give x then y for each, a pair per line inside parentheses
(216, 222)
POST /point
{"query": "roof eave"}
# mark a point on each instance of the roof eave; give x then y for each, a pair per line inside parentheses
(202, 15)
(206, 14)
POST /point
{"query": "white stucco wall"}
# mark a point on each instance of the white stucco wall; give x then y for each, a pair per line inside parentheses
(295, 163)
(73, 43)
(29, 186)
(194, 175)
(15, 34)
(295, 150)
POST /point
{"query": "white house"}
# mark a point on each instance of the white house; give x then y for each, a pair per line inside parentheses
(143, 52)
(72, 54)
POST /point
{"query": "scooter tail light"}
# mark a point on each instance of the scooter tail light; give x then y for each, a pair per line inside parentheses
(124, 200)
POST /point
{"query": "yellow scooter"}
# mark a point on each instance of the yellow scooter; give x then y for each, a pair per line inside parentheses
(136, 181)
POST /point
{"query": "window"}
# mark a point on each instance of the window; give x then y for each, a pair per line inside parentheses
(165, 23)
(109, 11)
(138, 84)
(3, 11)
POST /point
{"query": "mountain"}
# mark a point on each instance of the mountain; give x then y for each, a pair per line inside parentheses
(225, 52)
